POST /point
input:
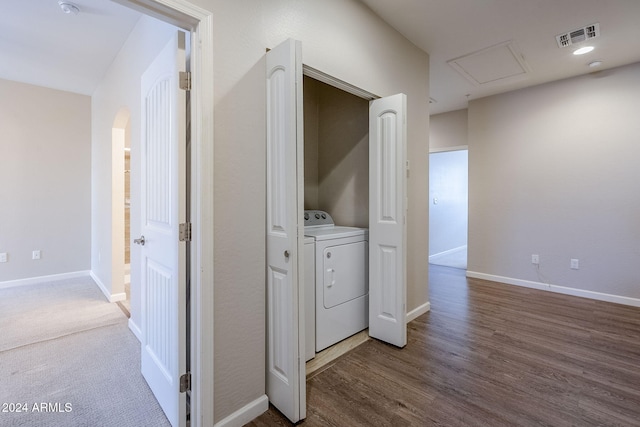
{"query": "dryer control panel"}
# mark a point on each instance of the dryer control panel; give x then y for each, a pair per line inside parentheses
(317, 217)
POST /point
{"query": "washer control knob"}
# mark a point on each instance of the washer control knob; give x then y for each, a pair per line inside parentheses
(328, 254)
(306, 216)
(317, 216)
(324, 216)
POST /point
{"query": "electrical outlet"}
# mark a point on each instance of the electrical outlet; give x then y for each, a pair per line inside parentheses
(575, 264)
(35, 255)
(535, 259)
(3, 257)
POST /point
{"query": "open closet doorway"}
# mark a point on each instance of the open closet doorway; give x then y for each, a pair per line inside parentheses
(448, 208)
(286, 224)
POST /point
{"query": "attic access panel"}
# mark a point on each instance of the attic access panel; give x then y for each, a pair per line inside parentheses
(501, 63)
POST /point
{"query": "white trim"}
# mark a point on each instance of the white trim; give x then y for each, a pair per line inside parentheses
(202, 199)
(199, 21)
(43, 279)
(444, 149)
(418, 311)
(634, 302)
(337, 83)
(118, 297)
(135, 329)
(246, 414)
(434, 257)
(110, 297)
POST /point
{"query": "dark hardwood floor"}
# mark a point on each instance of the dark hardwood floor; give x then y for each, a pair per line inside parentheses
(488, 354)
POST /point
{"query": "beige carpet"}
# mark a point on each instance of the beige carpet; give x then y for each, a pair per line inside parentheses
(39, 312)
(455, 258)
(62, 345)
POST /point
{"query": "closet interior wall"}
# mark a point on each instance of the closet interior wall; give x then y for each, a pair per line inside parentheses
(336, 146)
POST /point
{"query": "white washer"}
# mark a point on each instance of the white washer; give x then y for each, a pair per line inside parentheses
(341, 265)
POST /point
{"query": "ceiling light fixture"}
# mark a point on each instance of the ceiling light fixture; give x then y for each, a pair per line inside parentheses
(583, 50)
(69, 8)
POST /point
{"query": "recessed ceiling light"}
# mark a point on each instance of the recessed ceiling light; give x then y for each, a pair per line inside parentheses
(583, 50)
(595, 64)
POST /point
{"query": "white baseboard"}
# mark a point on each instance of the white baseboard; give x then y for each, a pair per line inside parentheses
(43, 279)
(418, 311)
(434, 257)
(110, 297)
(635, 302)
(118, 297)
(135, 329)
(245, 414)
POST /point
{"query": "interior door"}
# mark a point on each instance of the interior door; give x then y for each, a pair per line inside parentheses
(387, 219)
(163, 209)
(286, 387)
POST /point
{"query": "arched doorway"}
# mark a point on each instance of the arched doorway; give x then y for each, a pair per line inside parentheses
(120, 203)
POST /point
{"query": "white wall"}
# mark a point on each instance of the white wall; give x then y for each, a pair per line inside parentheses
(120, 91)
(342, 38)
(448, 192)
(45, 155)
(448, 181)
(553, 170)
(448, 130)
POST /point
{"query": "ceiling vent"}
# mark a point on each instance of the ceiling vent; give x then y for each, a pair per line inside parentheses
(579, 35)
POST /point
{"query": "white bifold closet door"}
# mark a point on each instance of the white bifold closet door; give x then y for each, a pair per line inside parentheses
(285, 370)
(387, 219)
(286, 386)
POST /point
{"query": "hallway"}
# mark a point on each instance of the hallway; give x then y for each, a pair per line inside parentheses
(488, 354)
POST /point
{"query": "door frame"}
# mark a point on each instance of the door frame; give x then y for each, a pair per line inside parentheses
(368, 96)
(199, 23)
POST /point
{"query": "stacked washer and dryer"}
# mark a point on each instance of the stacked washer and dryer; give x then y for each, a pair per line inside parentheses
(336, 281)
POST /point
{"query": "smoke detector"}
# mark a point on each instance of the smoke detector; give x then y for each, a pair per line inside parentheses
(578, 35)
(68, 8)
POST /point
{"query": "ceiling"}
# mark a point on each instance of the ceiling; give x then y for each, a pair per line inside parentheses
(41, 45)
(76, 50)
(450, 29)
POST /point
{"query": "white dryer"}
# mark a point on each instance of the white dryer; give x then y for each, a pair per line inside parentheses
(341, 266)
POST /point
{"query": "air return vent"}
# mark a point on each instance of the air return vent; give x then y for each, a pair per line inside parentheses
(579, 35)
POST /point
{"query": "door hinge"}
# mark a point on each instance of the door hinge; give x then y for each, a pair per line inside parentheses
(185, 382)
(184, 232)
(185, 80)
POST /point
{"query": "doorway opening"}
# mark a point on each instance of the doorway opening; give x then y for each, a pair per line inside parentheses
(448, 208)
(120, 218)
(336, 181)
(127, 217)
(198, 24)
(285, 372)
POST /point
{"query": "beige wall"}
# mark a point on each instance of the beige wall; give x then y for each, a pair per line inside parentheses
(338, 155)
(448, 130)
(342, 38)
(118, 96)
(311, 121)
(45, 176)
(553, 170)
